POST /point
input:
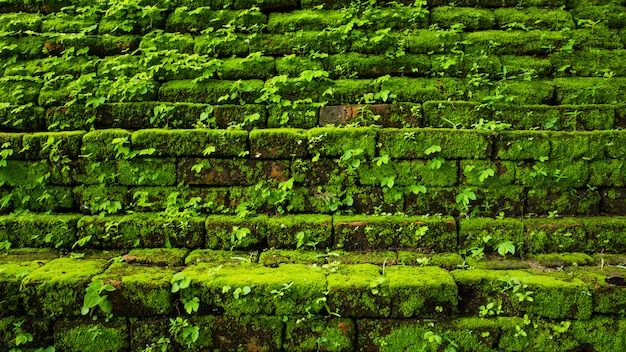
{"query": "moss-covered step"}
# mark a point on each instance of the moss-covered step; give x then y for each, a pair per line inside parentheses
(430, 143)
(191, 143)
(53, 231)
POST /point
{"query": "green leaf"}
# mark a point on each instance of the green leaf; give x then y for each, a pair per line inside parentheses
(432, 149)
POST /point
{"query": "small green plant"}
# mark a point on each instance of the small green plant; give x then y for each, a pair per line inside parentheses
(94, 297)
(505, 248)
(238, 235)
(518, 287)
(303, 241)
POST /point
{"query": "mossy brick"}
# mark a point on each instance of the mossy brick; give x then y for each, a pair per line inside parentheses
(409, 172)
(594, 333)
(275, 257)
(556, 260)
(605, 234)
(380, 233)
(477, 173)
(280, 143)
(56, 289)
(147, 172)
(475, 334)
(471, 18)
(10, 279)
(221, 257)
(270, 5)
(307, 20)
(44, 199)
(22, 118)
(67, 23)
(555, 235)
(515, 42)
(292, 65)
(234, 172)
(335, 334)
(527, 66)
(436, 200)
(496, 262)
(566, 202)
(221, 232)
(99, 144)
(418, 90)
(261, 67)
(100, 45)
(582, 90)
(77, 117)
(294, 42)
(210, 91)
(610, 15)
(76, 65)
(140, 290)
(295, 116)
(11, 145)
(162, 257)
(24, 173)
(19, 22)
(474, 231)
(604, 283)
(327, 4)
(141, 230)
(161, 40)
(533, 92)
(391, 115)
(234, 45)
(424, 41)
(191, 142)
(145, 331)
(393, 334)
(19, 92)
(54, 231)
(613, 200)
(283, 232)
(265, 197)
(237, 333)
(397, 18)
(379, 42)
(416, 291)
(533, 18)
(84, 335)
(372, 200)
(553, 297)
(224, 290)
(334, 142)
(196, 20)
(29, 47)
(610, 173)
(616, 148)
(373, 66)
(409, 143)
(314, 173)
(592, 62)
(350, 91)
(599, 37)
(448, 261)
(578, 145)
(448, 114)
(202, 200)
(93, 199)
(378, 258)
(556, 175)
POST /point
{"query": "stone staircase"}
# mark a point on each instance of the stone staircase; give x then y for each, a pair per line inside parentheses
(313, 175)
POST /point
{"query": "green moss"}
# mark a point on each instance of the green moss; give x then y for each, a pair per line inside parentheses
(245, 68)
(232, 172)
(40, 230)
(24, 173)
(471, 18)
(447, 114)
(413, 143)
(220, 288)
(223, 257)
(19, 92)
(410, 172)
(295, 116)
(146, 331)
(533, 18)
(308, 20)
(447, 261)
(191, 142)
(101, 198)
(394, 335)
(238, 333)
(527, 65)
(582, 90)
(418, 291)
(605, 234)
(572, 202)
(616, 149)
(99, 144)
(334, 142)
(140, 290)
(22, 119)
(425, 41)
(283, 232)
(57, 288)
(335, 334)
(147, 172)
(10, 279)
(610, 173)
(359, 290)
(557, 175)
(275, 257)
(142, 230)
(210, 91)
(555, 260)
(221, 231)
(67, 23)
(578, 145)
(162, 40)
(600, 332)
(72, 335)
(555, 235)
(515, 42)
(476, 173)
(29, 47)
(378, 257)
(278, 143)
(420, 90)
(349, 65)
(610, 15)
(18, 22)
(436, 200)
(591, 63)
(293, 65)
(520, 92)
(168, 257)
(203, 200)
